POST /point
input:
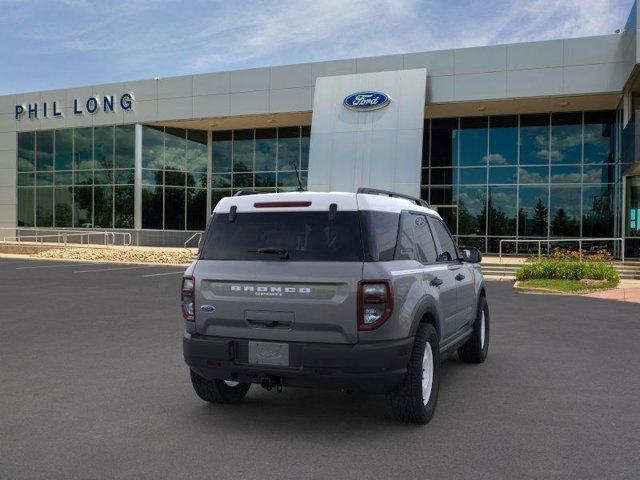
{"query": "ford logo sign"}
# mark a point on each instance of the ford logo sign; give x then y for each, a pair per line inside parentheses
(366, 101)
(207, 308)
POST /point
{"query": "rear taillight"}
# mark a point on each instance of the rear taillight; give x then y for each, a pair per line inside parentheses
(375, 303)
(186, 298)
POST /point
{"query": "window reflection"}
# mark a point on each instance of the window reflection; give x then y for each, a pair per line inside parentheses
(597, 211)
(501, 209)
(564, 211)
(570, 174)
(566, 138)
(534, 139)
(263, 160)
(64, 149)
(80, 164)
(243, 150)
(533, 211)
(266, 146)
(44, 150)
(599, 141)
(503, 141)
(443, 142)
(471, 210)
(473, 141)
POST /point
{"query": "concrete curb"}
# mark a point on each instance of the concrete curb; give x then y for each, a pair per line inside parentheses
(548, 291)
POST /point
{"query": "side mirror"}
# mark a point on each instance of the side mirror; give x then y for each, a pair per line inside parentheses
(471, 255)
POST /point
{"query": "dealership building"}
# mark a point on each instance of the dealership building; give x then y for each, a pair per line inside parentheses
(519, 142)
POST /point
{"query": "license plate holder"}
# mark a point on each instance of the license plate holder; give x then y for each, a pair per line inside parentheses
(269, 353)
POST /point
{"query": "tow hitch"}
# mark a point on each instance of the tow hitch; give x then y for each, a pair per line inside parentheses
(270, 382)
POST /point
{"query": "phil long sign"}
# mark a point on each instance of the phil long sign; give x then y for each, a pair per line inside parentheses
(91, 105)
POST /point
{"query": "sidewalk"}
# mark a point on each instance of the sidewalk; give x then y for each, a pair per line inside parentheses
(627, 291)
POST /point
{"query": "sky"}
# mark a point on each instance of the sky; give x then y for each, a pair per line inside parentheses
(48, 44)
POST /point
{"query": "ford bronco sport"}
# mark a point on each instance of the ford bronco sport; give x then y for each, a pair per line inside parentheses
(354, 291)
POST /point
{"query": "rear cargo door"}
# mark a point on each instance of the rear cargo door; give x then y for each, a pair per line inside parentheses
(278, 300)
(276, 272)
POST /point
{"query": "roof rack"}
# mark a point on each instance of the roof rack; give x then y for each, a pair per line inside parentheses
(375, 191)
(242, 193)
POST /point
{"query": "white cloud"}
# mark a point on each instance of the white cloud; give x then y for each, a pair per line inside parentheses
(146, 38)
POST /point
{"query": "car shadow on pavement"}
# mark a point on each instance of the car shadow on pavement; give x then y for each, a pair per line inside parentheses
(298, 411)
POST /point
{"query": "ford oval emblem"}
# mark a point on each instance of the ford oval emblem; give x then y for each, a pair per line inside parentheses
(207, 308)
(366, 101)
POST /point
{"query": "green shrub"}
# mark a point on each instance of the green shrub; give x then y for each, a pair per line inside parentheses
(567, 270)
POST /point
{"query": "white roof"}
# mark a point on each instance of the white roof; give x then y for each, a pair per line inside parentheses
(318, 201)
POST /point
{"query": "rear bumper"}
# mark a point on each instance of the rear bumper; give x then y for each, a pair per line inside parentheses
(375, 367)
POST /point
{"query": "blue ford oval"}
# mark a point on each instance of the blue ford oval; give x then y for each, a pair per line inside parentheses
(366, 101)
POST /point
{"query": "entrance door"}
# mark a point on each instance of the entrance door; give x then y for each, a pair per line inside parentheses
(631, 216)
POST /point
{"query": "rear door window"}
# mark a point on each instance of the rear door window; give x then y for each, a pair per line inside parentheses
(447, 250)
(426, 248)
(406, 248)
(305, 236)
(380, 232)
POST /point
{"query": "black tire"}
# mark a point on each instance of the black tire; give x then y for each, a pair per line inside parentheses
(475, 350)
(406, 403)
(217, 391)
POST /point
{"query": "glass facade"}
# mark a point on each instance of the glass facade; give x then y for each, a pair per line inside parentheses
(85, 177)
(533, 176)
(263, 159)
(174, 178)
(80, 177)
(538, 176)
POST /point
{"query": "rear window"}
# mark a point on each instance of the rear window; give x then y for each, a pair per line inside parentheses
(305, 236)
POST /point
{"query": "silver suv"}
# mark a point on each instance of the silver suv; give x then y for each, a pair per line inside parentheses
(354, 291)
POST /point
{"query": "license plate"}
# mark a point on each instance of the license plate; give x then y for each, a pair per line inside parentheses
(269, 353)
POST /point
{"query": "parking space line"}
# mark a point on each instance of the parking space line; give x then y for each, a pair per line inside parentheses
(57, 265)
(115, 268)
(164, 273)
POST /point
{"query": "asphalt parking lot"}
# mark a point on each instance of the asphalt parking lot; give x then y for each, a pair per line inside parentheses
(92, 385)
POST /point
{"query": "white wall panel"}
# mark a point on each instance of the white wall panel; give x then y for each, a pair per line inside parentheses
(290, 100)
(211, 83)
(537, 81)
(333, 67)
(246, 103)
(535, 55)
(598, 78)
(437, 63)
(249, 80)
(480, 85)
(7, 104)
(7, 141)
(590, 50)
(290, 76)
(350, 149)
(383, 63)
(175, 108)
(480, 59)
(211, 106)
(175, 87)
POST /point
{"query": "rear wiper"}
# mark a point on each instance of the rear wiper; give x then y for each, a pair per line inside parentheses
(283, 252)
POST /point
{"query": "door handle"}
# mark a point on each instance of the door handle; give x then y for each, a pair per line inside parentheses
(436, 282)
(459, 277)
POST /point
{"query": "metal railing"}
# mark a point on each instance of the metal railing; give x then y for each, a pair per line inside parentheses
(548, 241)
(197, 235)
(76, 238)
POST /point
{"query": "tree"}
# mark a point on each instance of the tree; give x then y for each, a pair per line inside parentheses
(540, 222)
(564, 226)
